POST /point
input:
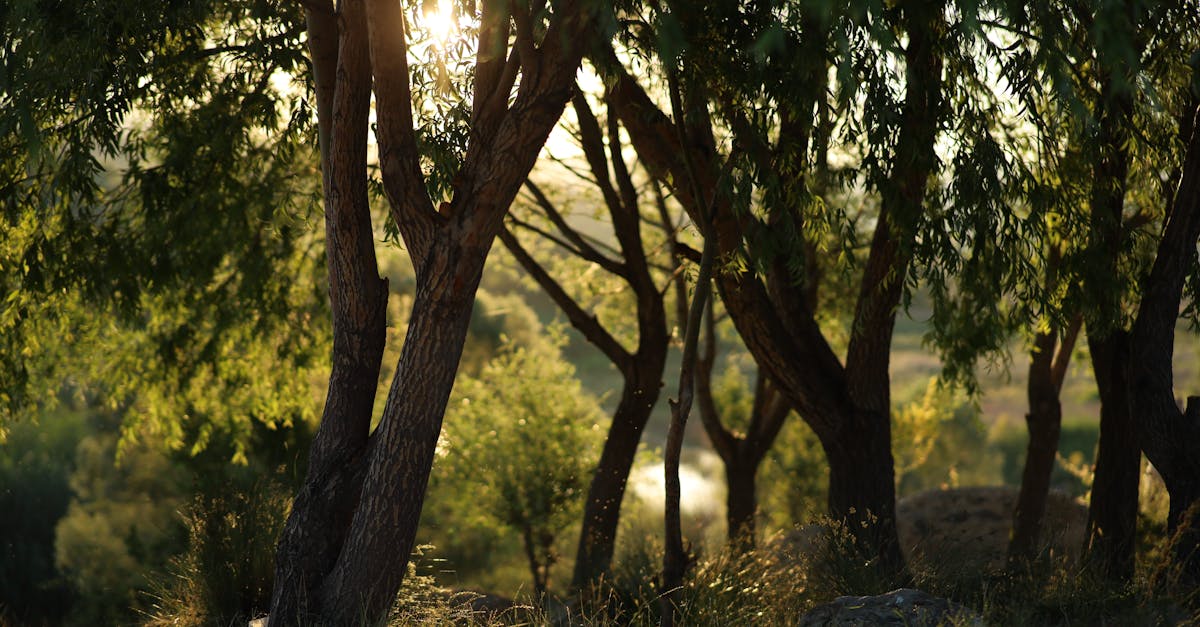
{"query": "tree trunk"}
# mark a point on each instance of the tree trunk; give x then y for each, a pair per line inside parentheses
(373, 561)
(741, 504)
(675, 557)
(359, 47)
(602, 512)
(1183, 517)
(1112, 513)
(1168, 435)
(321, 514)
(539, 574)
(1044, 422)
(862, 491)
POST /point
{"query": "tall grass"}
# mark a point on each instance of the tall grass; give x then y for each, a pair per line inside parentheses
(225, 576)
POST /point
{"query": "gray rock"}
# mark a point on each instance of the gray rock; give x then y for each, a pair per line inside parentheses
(912, 608)
(970, 527)
(966, 528)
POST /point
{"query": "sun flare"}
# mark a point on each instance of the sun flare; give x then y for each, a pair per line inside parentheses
(440, 21)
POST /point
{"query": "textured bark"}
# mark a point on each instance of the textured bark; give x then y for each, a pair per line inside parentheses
(1047, 369)
(1044, 423)
(346, 547)
(1167, 435)
(1112, 513)
(321, 513)
(363, 584)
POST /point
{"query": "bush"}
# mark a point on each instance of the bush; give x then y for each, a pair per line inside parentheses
(35, 464)
(518, 447)
(939, 441)
(121, 526)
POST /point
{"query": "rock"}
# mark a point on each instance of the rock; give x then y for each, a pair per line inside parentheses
(899, 607)
(962, 527)
(971, 526)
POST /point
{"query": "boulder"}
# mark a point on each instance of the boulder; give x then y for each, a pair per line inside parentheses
(963, 527)
(899, 607)
(972, 526)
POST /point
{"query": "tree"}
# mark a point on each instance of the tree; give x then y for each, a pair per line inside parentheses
(521, 440)
(1096, 128)
(344, 550)
(741, 438)
(146, 204)
(847, 406)
(1048, 362)
(631, 262)
(1166, 434)
(204, 72)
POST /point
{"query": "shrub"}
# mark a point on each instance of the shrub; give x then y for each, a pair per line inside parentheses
(518, 447)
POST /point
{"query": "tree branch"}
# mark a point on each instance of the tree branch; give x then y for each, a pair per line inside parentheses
(592, 142)
(585, 250)
(399, 160)
(586, 323)
(323, 50)
(526, 45)
(723, 441)
(490, 58)
(1058, 372)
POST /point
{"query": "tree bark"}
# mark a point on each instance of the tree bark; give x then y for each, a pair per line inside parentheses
(331, 573)
(320, 518)
(1112, 514)
(363, 584)
(1047, 369)
(741, 505)
(1044, 422)
(1167, 435)
(862, 491)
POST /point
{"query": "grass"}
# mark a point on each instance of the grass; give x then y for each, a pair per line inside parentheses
(769, 587)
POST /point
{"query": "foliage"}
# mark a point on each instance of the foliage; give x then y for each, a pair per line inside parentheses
(155, 210)
(794, 478)
(1076, 452)
(155, 200)
(756, 587)
(36, 463)
(120, 527)
(939, 441)
(529, 426)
